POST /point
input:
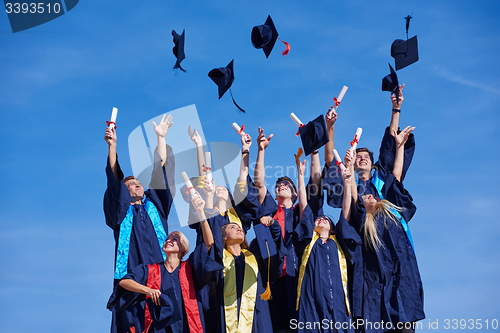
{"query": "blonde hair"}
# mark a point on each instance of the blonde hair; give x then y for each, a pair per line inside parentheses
(383, 209)
(184, 242)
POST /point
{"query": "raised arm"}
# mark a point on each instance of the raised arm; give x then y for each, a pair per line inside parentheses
(206, 231)
(401, 139)
(246, 142)
(396, 109)
(161, 131)
(259, 172)
(301, 187)
(347, 199)
(330, 118)
(196, 138)
(110, 138)
(349, 164)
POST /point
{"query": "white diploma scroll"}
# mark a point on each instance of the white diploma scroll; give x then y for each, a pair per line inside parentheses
(189, 185)
(112, 121)
(208, 168)
(237, 128)
(340, 97)
(296, 119)
(357, 136)
(338, 161)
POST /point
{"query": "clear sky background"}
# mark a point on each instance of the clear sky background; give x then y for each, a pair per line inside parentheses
(60, 80)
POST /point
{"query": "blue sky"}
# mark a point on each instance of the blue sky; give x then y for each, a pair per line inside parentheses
(60, 80)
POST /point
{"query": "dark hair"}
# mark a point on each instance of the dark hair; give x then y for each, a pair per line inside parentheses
(362, 150)
(129, 178)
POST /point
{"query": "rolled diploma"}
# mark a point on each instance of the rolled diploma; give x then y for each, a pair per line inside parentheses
(189, 185)
(296, 119)
(357, 136)
(208, 164)
(114, 114)
(341, 96)
(339, 161)
(237, 128)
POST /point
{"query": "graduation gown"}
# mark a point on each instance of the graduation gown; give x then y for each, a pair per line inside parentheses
(322, 305)
(332, 181)
(209, 260)
(392, 290)
(169, 317)
(144, 243)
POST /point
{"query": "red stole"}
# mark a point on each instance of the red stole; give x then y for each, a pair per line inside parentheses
(188, 296)
(154, 282)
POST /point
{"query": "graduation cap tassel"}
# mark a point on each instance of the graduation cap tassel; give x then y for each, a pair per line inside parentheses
(287, 45)
(407, 18)
(239, 108)
(266, 295)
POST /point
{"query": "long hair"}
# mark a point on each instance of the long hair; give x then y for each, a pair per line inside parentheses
(384, 212)
(244, 244)
(229, 203)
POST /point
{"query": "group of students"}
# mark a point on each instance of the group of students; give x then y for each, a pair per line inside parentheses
(301, 273)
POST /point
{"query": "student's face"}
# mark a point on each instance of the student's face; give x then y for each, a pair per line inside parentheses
(284, 189)
(369, 201)
(135, 188)
(362, 161)
(234, 232)
(322, 222)
(222, 193)
(172, 244)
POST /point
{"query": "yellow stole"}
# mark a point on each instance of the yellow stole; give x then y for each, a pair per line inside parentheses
(233, 217)
(342, 264)
(239, 322)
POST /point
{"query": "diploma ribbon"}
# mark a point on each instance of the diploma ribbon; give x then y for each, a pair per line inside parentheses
(241, 129)
(191, 188)
(336, 101)
(298, 132)
(111, 122)
(205, 168)
(355, 140)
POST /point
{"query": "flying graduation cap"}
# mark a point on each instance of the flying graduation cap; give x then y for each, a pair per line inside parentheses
(390, 83)
(178, 49)
(405, 52)
(223, 77)
(264, 37)
(314, 134)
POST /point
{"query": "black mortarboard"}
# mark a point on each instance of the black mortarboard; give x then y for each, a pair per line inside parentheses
(265, 242)
(314, 135)
(264, 36)
(223, 78)
(390, 82)
(178, 49)
(404, 52)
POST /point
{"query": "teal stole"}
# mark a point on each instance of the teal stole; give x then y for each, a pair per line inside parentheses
(379, 183)
(126, 230)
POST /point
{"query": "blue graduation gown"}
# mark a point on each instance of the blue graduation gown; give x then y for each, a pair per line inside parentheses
(174, 317)
(332, 181)
(144, 246)
(392, 290)
(209, 260)
(322, 300)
